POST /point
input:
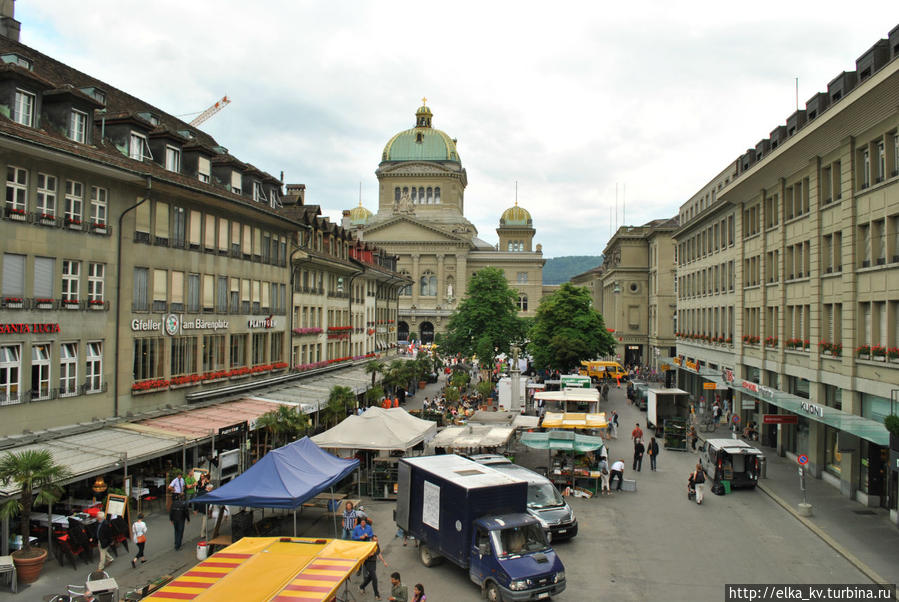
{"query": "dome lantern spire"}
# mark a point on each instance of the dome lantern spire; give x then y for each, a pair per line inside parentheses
(423, 115)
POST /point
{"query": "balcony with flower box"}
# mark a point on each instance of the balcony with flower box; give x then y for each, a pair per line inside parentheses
(831, 349)
(74, 223)
(307, 331)
(13, 303)
(100, 228)
(70, 304)
(46, 219)
(97, 305)
(15, 214)
(43, 303)
(153, 385)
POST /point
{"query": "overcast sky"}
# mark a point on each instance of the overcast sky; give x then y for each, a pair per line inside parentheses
(567, 98)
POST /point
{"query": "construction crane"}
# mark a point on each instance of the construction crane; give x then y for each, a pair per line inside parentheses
(211, 111)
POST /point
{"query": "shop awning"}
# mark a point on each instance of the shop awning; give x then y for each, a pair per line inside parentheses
(864, 428)
(575, 420)
(473, 436)
(562, 440)
(100, 451)
(200, 423)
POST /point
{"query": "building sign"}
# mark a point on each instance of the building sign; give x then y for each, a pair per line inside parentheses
(812, 409)
(750, 386)
(728, 375)
(260, 323)
(29, 328)
(766, 392)
(679, 360)
(691, 365)
(780, 419)
(173, 324)
(633, 347)
(240, 427)
(709, 386)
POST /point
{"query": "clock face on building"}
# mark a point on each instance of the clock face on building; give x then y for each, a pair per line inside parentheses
(171, 324)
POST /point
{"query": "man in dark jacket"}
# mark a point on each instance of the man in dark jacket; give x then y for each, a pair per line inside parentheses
(653, 452)
(639, 448)
(178, 515)
(105, 535)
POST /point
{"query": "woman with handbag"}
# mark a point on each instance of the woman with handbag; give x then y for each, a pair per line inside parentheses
(139, 535)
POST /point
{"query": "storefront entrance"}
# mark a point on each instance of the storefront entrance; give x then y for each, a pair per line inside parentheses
(427, 332)
(402, 331)
(633, 355)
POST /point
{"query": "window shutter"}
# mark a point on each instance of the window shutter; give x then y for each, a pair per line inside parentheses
(203, 166)
(209, 234)
(159, 285)
(266, 289)
(244, 290)
(193, 291)
(142, 223)
(208, 291)
(196, 221)
(177, 287)
(255, 291)
(162, 219)
(13, 275)
(247, 247)
(235, 233)
(43, 277)
(236, 180)
(141, 276)
(257, 242)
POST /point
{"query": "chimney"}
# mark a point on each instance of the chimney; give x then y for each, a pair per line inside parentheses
(9, 27)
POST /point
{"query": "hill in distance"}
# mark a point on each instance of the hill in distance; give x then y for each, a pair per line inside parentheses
(560, 269)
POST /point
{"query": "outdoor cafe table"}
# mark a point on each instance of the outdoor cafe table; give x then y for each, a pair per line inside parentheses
(41, 519)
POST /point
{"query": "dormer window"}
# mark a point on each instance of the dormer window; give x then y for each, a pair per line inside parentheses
(24, 108)
(259, 193)
(95, 93)
(203, 169)
(236, 182)
(77, 126)
(17, 59)
(137, 147)
(173, 159)
(147, 116)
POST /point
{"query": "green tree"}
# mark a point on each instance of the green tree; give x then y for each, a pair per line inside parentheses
(282, 425)
(339, 400)
(567, 330)
(486, 321)
(374, 394)
(35, 474)
(397, 374)
(374, 367)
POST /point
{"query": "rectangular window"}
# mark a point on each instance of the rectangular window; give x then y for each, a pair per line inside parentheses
(23, 112)
(260, 347)
(881, 161)
(149, 358)
(94, 367)
(879, 242)
(16, 189)
(866, 168)
(13, 276)
(258, 193)
(213, 352)
(221, 294)
(203, 169)
(162, 222)
(46, 195)
(10, 373)
(257, 242)
(44, 271)
(160, 290)
(209, 233)
(74, 201)
(179, 227)
(184, 355)
(77, 126)
(277, 353)
(522, 277)
(136, 144)
(196, 225)
(99, 204)
(247, 246)
(208, 293)
(40, 371)
(173, 159)
(223, 235)
(71, 271)
(193, 293)
(142, 222)
(244, 296)
(864, 244)
(238, 354)
(236, 182)
(95, 275)
(68, 369)
(177, 291)
(140, 296)
(235, 238)
(266, 297)
(235, 295)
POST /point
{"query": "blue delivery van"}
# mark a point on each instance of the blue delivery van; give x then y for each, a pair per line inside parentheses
(476, 517)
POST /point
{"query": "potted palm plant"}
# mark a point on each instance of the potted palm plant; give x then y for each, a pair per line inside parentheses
(892, 424)
(36, 474)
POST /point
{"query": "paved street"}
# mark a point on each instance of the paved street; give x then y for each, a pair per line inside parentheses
(650, 545)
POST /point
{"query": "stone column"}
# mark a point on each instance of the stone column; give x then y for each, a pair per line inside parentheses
(441, 284)
(461, 275)
(416, 277)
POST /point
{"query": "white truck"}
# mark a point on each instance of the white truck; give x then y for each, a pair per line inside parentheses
(666, 403)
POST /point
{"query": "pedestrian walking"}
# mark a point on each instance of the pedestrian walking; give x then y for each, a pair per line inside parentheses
(637, 433)
(698, 478)
(653, 452)
(178, 515)
(349, 520)
(398, 591)
(139, 537)
(614, 424)
(105, 535)
(605, 391)
(617, 471)
(639, 449)
(369, 567)
(418, 593)
(176, 487)
(604, 476)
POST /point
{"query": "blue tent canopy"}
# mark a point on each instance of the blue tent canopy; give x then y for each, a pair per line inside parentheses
(284, 478)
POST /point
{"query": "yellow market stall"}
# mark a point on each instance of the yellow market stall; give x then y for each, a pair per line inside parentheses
(279, 569)
(574, 420)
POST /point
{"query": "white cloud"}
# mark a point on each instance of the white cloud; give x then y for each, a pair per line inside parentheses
(566, 98)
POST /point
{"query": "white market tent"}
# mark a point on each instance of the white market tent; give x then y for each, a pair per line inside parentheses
(473, 436)
(586, 397)
(378, 429)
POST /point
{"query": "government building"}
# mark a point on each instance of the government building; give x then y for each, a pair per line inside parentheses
(788, 282)
(421, 220)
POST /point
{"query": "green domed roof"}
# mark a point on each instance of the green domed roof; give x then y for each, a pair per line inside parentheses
(359, 215)
(421, 143)
(515, 216)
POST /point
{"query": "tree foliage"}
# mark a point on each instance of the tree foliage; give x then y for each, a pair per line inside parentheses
(339, 401)
(35, 474)
(567, 330)
(282, 425)
(486, 321)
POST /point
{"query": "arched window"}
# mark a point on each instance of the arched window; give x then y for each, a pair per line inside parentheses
(430, 196)
(405, 190)
(523, 302)
(437, 195)
(396, 193)
(406, 290)
(414, 194)
(421, 195)
(428, 284)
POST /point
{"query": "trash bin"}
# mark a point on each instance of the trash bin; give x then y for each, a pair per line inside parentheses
(726, 484)
(202, 550)
(763, 467)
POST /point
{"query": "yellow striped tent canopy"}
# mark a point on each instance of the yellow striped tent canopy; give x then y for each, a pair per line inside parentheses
(279, 569)
(574, 420)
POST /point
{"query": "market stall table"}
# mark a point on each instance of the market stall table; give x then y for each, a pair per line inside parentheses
(59, 520)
